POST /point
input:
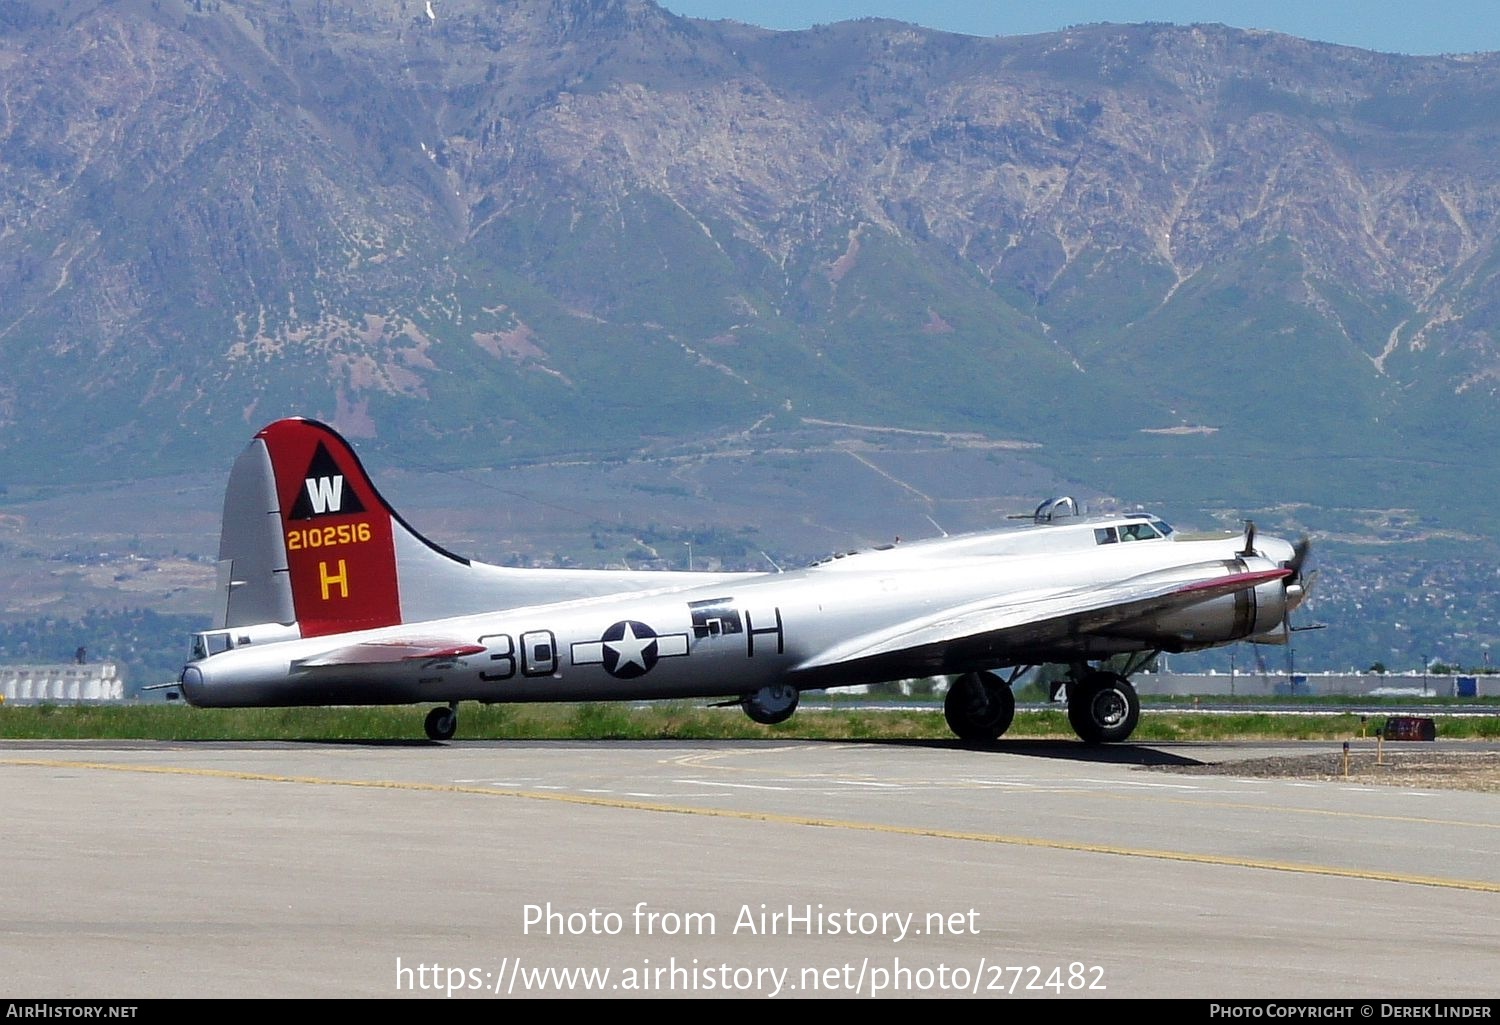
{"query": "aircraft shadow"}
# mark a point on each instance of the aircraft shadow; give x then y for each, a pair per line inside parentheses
(269, 742)
(1068, 750)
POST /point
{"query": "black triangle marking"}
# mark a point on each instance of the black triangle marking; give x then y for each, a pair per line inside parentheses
(325, 490)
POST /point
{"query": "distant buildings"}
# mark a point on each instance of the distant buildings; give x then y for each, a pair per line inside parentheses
(63, 681)
(1317, 684)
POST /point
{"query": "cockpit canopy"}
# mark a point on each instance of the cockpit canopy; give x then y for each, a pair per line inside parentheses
(213, 642)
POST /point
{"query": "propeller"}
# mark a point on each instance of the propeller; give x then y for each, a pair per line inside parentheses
(1295, 586)
(1300, 551)
(1300, 582)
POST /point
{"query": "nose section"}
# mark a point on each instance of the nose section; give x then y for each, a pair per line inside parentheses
(192, 684)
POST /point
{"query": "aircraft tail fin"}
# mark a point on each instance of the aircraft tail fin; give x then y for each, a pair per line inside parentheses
(308, 539)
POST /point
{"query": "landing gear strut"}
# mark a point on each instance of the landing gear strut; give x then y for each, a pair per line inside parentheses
(442, 723)
(979, 707)
(1103, 707)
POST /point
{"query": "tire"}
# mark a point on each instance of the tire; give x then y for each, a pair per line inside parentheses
(1103, 708)
(979, 708)
(771, 705)
(442, 723)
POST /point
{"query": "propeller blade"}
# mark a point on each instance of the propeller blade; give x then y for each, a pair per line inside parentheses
(1300, 552)
(1300, 582)
(1296, 591)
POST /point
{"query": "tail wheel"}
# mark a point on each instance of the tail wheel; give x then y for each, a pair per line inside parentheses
(1103, 708)
(442, 723)
(771, 705)
(979, 707)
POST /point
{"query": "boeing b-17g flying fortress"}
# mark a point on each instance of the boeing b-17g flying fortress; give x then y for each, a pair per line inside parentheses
(326, 595)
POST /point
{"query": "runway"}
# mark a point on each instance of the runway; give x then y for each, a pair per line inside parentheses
(136, 870)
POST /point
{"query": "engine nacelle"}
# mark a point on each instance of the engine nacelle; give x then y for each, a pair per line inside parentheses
(1252, 614)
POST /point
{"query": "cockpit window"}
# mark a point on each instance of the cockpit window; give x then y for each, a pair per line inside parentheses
(210, 643)
(1140, 530)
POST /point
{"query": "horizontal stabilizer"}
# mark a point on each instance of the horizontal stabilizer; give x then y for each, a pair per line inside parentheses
(373, 653)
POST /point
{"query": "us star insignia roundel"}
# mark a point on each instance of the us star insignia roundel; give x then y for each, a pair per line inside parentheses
(629, 649)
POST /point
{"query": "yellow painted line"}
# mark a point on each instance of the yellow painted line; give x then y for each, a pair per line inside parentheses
(783, 819)
(1282, 809)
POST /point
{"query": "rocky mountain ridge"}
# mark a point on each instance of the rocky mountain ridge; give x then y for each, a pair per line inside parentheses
(480, 232)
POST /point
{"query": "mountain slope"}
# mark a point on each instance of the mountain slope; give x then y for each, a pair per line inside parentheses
(517, 229)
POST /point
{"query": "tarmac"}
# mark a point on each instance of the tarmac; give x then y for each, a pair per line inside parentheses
(494, 870)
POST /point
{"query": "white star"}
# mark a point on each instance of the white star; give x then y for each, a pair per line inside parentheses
(630, 648)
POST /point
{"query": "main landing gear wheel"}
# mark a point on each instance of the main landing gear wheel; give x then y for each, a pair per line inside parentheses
(1103, 708)
(442, 723)
(771, 705)
(979, 707)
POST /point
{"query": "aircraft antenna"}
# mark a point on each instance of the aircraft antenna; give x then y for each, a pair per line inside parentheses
(772, 562)
(934, 522)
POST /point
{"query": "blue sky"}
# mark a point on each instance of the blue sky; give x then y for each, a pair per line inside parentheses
(1390, 26)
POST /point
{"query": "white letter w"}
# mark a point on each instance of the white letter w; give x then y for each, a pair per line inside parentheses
(326, 494)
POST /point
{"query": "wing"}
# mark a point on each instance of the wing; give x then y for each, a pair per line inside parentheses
(1031, 626)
